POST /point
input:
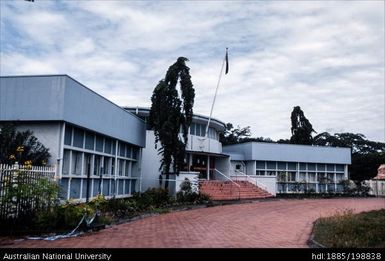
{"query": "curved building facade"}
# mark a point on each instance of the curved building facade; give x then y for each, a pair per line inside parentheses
(204, 155)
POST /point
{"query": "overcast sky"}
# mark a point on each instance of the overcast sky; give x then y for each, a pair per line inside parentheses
(327, 57)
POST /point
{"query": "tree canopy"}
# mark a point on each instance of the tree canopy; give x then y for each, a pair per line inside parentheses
(171, 113)
(301, 128)
(21, 147)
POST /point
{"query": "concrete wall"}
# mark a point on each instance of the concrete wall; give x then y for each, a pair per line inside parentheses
(268, 183)
(196, 143)
(61, 98)
(150, 163)
(290, 153)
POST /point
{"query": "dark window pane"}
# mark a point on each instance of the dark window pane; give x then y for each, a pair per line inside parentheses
(135, 153)
(340, 167)
(292, 165)
(75, 188)
(282, 165)
(78, 137)
(66, 162)
(271, 165)
(330, 167)
(311, 166)
(106, 187)
(113, 151)
(89, 141)
(96, 190)
(321, 167)
(122, 149)
(133, 186)
(63, 188)
(260, 165)
(127, 187)
(128, 151)
(107, 146)
(302, 166)
(121, 187)
(84, 189)
(68, 135)
(99, 143)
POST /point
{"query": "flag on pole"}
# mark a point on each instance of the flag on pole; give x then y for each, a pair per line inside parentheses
(227, 61)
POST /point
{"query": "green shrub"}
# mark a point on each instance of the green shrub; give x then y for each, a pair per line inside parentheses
(152, 198)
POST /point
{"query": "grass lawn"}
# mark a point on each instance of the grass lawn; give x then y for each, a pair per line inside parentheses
(346, 229)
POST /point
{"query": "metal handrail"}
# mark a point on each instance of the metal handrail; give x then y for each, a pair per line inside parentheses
(257, 183)
(239, 187)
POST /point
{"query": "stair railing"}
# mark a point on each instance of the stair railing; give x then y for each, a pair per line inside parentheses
(233, 182)
(252, 180)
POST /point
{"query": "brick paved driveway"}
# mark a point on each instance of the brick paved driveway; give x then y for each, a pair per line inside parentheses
(277, 223)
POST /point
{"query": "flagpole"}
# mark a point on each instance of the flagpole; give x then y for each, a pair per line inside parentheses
(215, 95)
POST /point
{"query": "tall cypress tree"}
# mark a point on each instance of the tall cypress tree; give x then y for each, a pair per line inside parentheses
(171, 113)
(301, 128)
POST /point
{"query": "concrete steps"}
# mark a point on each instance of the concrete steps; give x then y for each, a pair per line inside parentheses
(226, 190)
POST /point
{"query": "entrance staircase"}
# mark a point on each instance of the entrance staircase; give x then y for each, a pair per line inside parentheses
(232, 190)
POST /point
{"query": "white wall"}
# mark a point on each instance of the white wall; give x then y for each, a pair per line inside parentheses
(269, 181)
(197, 143)
(150, 163)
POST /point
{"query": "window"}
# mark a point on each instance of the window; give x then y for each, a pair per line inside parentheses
(291, 166)
(78, 138)
(192, 129)
(127, 169)
(291, 176)
(106, 166)
(97, 160)
(87, 164)
(128, 151)
(311, 166)
(302, 176)
(135, 153)
(340, 167)
(330, 177)
(122, 149)
(68, 135)
(133, 186)
(282, 165)
(66, 162)
(271, 165)
(330, 167)
(113, 151)
(90, 141)
(96, 189)
(302, 166)
(121, 169)
(106, 187)
(271, 173)
(311, 177)
(321, 167)
(120, 187)
(99, 143)
(76, 163)
(238, 166)
(260, 173)
(75, 188)
(107, 146)
(260, 165)
(113, 167)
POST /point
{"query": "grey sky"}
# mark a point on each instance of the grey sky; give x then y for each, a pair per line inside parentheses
(327, 57)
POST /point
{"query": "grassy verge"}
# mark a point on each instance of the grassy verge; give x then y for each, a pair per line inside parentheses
(348, 230)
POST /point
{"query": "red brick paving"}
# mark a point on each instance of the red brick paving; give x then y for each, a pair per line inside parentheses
(277, 223)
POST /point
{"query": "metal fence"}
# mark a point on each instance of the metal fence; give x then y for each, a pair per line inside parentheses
(19, 189)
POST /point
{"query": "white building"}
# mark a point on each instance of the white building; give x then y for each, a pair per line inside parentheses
(99, 147)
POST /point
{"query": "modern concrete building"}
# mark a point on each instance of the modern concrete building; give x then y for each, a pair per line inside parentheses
(287, 168)
(204, 156)
(99, 147)
(95, 144)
